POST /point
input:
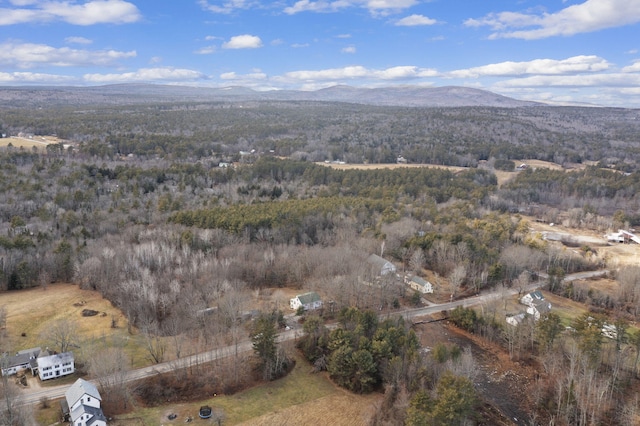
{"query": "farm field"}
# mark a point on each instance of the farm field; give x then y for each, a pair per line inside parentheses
(502, 176)
(40, 142)
(301, 397)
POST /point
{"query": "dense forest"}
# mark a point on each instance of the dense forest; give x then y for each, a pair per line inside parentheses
(141, 207)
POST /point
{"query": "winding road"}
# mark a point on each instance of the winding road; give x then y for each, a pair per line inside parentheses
(30, 396)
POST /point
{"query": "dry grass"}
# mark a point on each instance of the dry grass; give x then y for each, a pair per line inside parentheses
(31, 312)
(301, 397)
(387, 166)
(340, 410)
(39, 142)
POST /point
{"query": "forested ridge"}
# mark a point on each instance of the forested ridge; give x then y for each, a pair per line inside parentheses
(172, 209)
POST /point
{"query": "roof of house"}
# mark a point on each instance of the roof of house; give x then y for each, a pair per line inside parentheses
(23, 357)
(516, 318)
(78, 389)
(55, 359)
(95, 414)
(420, 281)
(310, 297)
(378, 261)
(536, 295)
(542, 306)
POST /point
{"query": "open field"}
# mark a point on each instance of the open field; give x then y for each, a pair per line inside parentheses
(31, 312)
(386, 166)
(39, 142)
(301, 397)
(502, 176)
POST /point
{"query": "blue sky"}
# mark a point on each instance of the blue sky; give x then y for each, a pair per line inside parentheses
(545, 50)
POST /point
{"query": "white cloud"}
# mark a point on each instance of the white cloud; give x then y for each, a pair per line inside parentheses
(635, 67)
(78, 40)
(538, 66)
(360, 72)
(87, 13)
(299, 45)
(207, 50)
(257, 75)
(588, 80)
(415, 20)
(348, 49)
(244, 41)
(228, 6)
(374, 6)
(33, 78)
(592, 15)
(29, 55)
(145, 75)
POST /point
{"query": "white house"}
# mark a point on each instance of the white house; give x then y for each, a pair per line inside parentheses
(308, 301)
(536, 304)
(529, 298)
(83, 404)
(23, 360)
(380, 265)
(56, 365)
(516, 319)
(419, 284)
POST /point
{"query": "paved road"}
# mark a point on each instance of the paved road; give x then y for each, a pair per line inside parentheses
(32, 396)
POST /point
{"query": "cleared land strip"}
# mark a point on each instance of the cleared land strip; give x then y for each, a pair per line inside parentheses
(35, 396)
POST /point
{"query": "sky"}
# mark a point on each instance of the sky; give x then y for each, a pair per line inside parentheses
(556, 51)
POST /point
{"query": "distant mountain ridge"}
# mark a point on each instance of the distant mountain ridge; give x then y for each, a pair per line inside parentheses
(412, 96)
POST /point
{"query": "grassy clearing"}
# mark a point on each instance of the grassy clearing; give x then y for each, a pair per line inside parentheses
(299, 398)
(31, 312)
(387, 166)
(567, 309)
(39, 142)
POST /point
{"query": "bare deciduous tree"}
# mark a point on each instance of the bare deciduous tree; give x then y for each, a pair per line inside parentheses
(62, 334)
(109, 367)
(457, 277)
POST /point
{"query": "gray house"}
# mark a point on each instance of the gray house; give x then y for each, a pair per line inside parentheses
(380, 265)
(23, 360)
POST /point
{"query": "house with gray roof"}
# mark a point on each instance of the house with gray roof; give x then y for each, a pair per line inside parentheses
(380, 265)
(420, 284)
(536, 304)
(82, 401)
(23, 360)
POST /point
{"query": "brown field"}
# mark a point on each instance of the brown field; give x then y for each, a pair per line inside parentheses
(32, 311)
(39, 142)
(301, 397)
(502, 176)
(387, 166)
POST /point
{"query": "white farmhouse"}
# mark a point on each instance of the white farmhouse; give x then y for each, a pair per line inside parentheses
(56, 365)
(536, 304)
(83, 404)
(308, 301)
